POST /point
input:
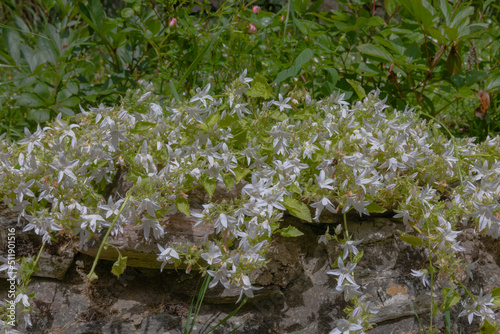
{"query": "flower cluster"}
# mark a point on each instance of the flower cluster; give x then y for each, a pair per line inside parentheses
(286, 154)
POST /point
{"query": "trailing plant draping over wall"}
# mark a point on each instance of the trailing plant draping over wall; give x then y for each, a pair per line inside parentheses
(435, 55)
(291, 154)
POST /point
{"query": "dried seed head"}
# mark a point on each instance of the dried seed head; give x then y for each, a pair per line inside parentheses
(484, 98)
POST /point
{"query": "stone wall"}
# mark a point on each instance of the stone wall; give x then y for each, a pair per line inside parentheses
(296, 295)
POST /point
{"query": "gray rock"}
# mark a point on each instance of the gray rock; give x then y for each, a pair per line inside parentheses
(296, 294)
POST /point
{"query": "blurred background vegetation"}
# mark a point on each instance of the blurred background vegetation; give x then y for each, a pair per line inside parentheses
(441, 57)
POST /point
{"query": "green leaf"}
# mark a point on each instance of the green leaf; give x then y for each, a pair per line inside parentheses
(437, 35)
(375, 21)
(40, 115)
(309, 28)
(142, 127)
(58, 109)
(210, 122)
(390, 6)
(228, 181)
(293, 70)
(471, 30)
(301, 5)
(314, 7)
(42, 91)
(71, 102)
(300, 25)
(358, 257)
(303, 57)
(174, 90)
(454, 62)
(62, 95)
(208, 183)
(294, 188)
(374, 208)
(333, 75)
(23, 27)
(279, 116)
(410, 239)
(472, 77)
(368, 70)
(357, 88)
(304, 114)
(443, 5)
(285, 74)
(297, 209)
(392, 47)
(92, 277)
(452, 33)
(465, 91)
(133, 175)
(488, 328)
(374, 51)
(241, 137)
(493, 83)
(49, 50)
(120, 265)
(127, 13)
(290, 232)
(93, 14)
(229, 121)
(461, 15)
(422, 12)
(33, 58)
(182, 205)
(13, 41)
(30, 99)
(72, 87)
(260, 88)
(495, 293)
(241, 173)
(450, 298)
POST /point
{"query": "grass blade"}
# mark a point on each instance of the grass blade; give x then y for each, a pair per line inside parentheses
(201, 54)
(418, 319)
(199, 301)
(229, 316)
(174, 91)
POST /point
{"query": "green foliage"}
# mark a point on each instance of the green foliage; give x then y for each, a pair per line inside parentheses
(290, 232)
(120, 265)
(182, 205)
(260, 88)
(360, 157)
(432, 54)
(410, 239)
(297, 209)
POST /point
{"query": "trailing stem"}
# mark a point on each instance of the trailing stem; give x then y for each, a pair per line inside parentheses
(92, 276)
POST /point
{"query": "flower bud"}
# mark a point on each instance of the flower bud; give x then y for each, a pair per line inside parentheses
(173, 22)
(256, 9)
(252, 29)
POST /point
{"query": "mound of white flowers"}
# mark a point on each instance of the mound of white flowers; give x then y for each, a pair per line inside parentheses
(296, 155)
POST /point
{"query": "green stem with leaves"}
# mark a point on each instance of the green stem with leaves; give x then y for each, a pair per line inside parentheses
(92, 276)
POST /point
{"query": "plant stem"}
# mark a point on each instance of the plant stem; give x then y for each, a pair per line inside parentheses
(39, 253)
(345, 226)
(463, 287)
(446, 106)
(91, 274)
